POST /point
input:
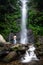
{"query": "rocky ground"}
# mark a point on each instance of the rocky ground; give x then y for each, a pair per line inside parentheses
(39, 53)
(10, 54)
(40, 62)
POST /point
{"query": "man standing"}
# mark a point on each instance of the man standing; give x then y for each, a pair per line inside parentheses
(14, 39)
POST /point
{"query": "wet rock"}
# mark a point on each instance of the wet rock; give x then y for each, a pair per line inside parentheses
(12, 55)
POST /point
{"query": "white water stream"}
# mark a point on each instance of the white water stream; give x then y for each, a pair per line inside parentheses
(24, 39)
(30, 55)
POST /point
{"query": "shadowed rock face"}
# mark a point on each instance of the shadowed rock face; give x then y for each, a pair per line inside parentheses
(29, 35)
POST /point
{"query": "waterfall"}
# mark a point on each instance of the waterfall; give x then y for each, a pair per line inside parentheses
(23, 39)
(30, 55)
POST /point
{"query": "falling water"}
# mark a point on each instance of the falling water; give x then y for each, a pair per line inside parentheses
(23, 24)
(30, 55)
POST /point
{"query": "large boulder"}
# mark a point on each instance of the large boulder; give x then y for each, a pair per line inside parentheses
(12, 55)
(2, 40)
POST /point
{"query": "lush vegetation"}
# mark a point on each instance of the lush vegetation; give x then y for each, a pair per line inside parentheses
(35, 18)
(10, 16)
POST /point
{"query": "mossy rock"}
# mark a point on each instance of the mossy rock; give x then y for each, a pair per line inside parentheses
(12, 55)
(18, 47)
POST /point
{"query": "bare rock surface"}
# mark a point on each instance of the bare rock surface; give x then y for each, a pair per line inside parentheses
(2, 40)
(10, 56)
